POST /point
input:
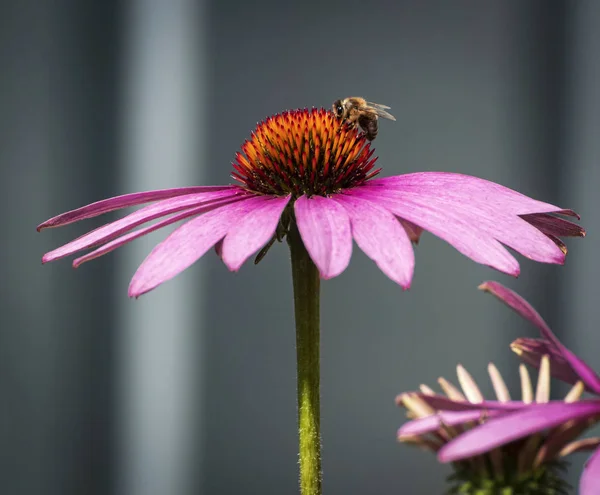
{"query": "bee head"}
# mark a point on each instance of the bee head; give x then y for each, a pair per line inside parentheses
(338, 108)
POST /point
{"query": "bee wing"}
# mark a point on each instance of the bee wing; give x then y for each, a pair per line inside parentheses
(377, 105)
(380, 110)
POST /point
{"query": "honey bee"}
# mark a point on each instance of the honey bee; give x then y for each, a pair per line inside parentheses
(358, 111)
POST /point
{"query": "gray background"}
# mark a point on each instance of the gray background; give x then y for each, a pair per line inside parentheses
(191, 389)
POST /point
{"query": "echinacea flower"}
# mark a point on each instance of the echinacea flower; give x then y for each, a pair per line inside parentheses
(308, 167)
(524, 466)
(549, 427)
(567, 419)
(307, 176)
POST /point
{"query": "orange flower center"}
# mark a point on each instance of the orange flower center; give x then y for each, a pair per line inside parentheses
(304, 152)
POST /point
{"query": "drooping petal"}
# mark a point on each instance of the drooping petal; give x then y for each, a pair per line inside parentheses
(381, 237)
(324, 227)
(186, 244)
(414, 231)
(589, 483)
(439, 213)
(458, 232)
(156, 210)
(480, 194)
(131, 236)
(219, 249)
(531, 351)
(118, 202)
(523, 308)
(253, 231)
(428, 424)
(551, 225)
(513, 426)
(558, 438)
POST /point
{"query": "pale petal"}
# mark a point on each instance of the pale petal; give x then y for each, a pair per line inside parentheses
(510, 427)
(381, 237)
(500, 388)
(468, 385)
(589, 483)
(542, 391)
(186, 244)
(523, 308)
(143, 215)
(575, 393)
(324, 227)
(450, 390)
(118, 202)
(416, 406)
(253, 231)
(526, 387)
(462, 234)
(426, 390)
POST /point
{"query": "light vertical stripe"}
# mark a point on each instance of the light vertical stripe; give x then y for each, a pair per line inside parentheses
(160, 334)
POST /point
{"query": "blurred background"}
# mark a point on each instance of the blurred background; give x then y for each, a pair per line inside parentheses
(191, 388)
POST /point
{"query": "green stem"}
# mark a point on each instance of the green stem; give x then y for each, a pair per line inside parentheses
(306, 281)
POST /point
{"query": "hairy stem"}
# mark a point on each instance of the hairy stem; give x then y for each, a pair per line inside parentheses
(306, 308)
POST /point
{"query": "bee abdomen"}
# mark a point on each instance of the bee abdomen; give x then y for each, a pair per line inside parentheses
(369, 126)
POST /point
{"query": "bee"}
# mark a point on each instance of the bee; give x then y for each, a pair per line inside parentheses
(358, 111)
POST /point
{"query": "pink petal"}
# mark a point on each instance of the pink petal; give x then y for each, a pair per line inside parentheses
(381, 237)
(443, 403)
(125, 239)
(472, 190)
(487, 218)
(523, 308)
(431, 423)
(589, 483)
(324, 227)
(186, 244)
(138, 217)
(515, 425)
(124, 201)
(253, 231)
(465, 236)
